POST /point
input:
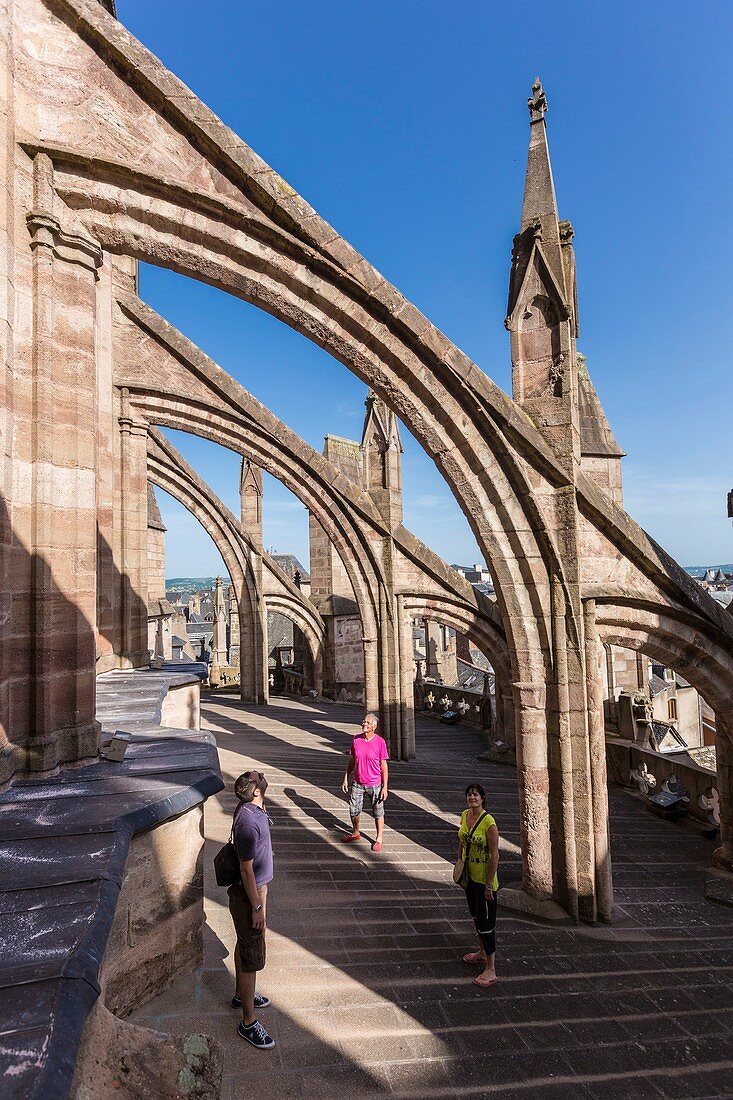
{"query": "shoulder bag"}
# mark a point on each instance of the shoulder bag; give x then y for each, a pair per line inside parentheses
(226, 861)
(460, 871)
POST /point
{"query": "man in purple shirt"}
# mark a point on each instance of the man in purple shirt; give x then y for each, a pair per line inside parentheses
(248, 902)
(368, 758)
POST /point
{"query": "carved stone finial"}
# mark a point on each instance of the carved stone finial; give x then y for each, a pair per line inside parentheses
(537, 102)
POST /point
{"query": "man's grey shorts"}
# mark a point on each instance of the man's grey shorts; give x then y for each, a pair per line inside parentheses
(356, 800)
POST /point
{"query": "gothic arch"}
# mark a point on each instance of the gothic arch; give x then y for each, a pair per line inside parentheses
(168, 470)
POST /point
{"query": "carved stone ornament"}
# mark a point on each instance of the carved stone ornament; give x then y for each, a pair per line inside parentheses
(537, 102)
(672, 785)
(556, 376)
(710, 802)
(429, 700)
(462, 706)
(444, 702)
(642, 778)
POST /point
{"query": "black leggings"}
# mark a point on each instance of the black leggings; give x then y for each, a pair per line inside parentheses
(483, 911)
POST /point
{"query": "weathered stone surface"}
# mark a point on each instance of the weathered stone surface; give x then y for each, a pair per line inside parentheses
(80, 884)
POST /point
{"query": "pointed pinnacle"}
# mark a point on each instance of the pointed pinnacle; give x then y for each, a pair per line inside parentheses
(537, 102)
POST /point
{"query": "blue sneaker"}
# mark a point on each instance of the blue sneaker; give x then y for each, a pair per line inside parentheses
(260, 1001)
(256, 1035)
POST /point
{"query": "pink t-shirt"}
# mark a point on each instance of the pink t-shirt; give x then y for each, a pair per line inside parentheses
(368, 756)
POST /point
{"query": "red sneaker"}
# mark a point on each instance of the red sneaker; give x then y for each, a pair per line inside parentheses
(377, 846)
(352, 836)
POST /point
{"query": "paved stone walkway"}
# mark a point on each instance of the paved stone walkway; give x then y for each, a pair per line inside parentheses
(369, 993)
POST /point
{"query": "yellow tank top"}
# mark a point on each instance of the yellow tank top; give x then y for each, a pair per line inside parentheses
(478, 860)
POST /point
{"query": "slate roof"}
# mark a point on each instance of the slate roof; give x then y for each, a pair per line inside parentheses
(596, 437)
(657, 685)
(470, 677)
(290, 565)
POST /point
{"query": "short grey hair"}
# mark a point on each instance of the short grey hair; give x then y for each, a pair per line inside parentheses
(373, 717)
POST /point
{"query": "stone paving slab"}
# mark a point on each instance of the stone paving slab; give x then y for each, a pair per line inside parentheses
(370, 997)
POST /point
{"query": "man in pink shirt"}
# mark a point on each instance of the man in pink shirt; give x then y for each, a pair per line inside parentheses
(368, 758)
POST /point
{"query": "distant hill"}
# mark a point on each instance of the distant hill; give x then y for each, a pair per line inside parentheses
(190, 584)
(700, 570)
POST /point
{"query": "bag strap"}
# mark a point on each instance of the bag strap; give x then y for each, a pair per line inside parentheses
(234, 818)
(469, 838)
(473, 830)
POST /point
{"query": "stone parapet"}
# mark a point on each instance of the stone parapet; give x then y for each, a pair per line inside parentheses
(136, 699)
(101, 892)
(630, 765)
(434, 699)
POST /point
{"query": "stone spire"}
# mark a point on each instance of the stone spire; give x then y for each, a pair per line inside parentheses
(541, 314)
(549, 378)
(381, 450)
(219, 642)
(539, 202)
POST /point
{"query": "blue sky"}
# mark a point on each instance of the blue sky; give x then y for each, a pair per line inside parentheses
(405, 125)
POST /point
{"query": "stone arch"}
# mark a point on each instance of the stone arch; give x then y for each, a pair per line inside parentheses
(168, 469)
(172, 411)
(480, 627)
(307, 617)
(675, 641)
(445, 401)
(293, 609)
(253, 680)
(661, 633)
(467, 620)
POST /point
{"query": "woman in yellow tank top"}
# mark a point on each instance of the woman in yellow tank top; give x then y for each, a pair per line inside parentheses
(481, 851)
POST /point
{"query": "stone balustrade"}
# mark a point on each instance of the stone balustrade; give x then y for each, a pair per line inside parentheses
(630, 765)
(473, 706)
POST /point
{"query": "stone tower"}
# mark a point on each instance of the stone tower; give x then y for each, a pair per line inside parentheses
(328, 573)
(381, 450)
(250, 493)
(542, 315)
(550, 378)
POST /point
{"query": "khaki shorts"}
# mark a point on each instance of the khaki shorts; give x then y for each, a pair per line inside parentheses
(250, 941)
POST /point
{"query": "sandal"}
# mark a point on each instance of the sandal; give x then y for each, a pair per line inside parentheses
(351, 836)
(484, 984)
(473, 957)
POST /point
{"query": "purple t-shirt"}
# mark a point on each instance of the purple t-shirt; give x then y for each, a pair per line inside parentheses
(368, 756)
(252, 840)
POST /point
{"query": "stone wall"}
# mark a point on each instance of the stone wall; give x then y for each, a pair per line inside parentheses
(348, 660)
(156, 935)
(182, 707)
(156, 563)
